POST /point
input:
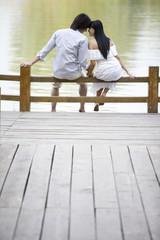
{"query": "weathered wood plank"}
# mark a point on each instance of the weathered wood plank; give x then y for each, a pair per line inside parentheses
(104, 184)
(107, 224)
(37, 186)
(82, 202)
(148, 186)
(75, 127)
(33, 207)
(60, 183)
(80, 135)
(154, 152)
(134, 225)
(7, 153)
(14, 188)
(106, 202)
(8, 219)
(29, 225)
(56, 224)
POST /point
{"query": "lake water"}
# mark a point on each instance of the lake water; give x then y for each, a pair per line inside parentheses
(27, 25)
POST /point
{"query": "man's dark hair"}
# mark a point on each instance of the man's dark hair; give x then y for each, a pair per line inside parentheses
(82, 21)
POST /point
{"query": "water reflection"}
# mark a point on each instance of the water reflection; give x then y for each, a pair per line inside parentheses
(28, 25)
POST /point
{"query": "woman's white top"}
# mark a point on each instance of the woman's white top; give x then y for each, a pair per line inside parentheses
(95, 54)
(107, 69)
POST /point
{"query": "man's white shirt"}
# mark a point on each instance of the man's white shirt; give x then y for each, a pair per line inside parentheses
(71, 49)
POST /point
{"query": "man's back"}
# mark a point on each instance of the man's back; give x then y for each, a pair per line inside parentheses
(71, 48)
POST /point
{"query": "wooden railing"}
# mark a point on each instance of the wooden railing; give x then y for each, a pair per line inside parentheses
(25, 98)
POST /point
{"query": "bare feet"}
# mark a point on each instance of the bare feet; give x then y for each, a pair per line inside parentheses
(81, 110)
(103, 95)
(96, 108)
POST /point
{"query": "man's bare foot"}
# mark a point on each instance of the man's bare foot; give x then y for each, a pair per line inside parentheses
(96, 108)
(81, 110)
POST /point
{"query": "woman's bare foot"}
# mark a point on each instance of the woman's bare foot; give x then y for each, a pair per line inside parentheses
(102, 96)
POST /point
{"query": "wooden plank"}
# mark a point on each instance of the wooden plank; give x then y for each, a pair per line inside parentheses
(77, 134)
(154, 152)
(75, 127)
(25, 89)
(32, 212)
(8, 219)
(108, 225)
(44, 140)
(153, 90)
(10, 97)
(89, 99)
(29, 224)
(106, 202)
(38, 181)
(82, 79)
(148, 186)
(56, 224)
(134, 225)
(82, 224)
(6, 157)
(60, 183)
(104, 184)
(14, 188)
(9, 77)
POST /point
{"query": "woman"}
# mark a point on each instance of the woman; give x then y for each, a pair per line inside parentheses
(71, 47)
(102, 52)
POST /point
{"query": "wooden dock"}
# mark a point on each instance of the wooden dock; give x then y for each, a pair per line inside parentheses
(79, 176)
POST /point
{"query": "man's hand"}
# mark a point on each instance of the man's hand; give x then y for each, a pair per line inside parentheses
(27, 64)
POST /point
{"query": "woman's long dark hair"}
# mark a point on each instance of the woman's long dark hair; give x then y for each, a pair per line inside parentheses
(102, 41)
(82, 21)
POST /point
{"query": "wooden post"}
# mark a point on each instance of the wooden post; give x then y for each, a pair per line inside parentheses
(153, 90)
(0, 108)
(0, 101)
(25, 89)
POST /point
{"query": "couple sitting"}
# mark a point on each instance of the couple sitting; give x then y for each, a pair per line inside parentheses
(70, 60)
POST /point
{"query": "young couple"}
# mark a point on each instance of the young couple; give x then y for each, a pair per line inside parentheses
(70, 60)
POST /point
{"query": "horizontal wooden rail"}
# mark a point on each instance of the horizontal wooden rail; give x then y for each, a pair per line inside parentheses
(87, 80)
(90, 99)
(26, 79)
(10, 77)
(10, 97)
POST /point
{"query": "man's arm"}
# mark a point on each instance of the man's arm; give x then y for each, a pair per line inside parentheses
(82, 54)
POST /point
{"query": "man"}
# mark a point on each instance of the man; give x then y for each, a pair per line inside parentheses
(71, 48)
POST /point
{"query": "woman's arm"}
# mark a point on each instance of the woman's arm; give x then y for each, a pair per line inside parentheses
(120, 60)
(92, 62)
(123, 66)
(29, 64)
(91, 67)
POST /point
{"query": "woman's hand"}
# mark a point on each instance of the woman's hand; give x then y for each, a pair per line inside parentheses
(132, 77)
(90, 74)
